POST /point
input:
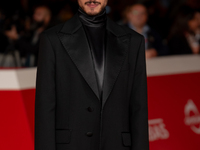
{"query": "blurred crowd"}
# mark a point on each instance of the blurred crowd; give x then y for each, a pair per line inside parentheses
(169, 27)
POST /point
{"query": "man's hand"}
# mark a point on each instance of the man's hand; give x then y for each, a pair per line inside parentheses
(151, 53)
(12, 34)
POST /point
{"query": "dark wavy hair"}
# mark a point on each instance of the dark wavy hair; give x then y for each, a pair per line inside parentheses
(180, 24)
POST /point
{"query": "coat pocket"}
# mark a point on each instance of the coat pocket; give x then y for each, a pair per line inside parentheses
(63, 135)
(126, 138)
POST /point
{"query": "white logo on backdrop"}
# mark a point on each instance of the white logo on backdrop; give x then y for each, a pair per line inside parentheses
(192, 116)
(157, 130)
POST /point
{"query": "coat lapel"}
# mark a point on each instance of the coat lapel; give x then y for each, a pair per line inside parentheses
(116, 51)
(75, 42)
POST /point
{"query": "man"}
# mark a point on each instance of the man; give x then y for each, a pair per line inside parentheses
(137, 17)
(74, 109)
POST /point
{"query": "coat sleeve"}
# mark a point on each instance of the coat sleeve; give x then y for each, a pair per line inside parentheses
(138, 103)
(45, 99)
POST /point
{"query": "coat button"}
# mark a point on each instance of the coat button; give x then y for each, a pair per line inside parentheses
(90, 109)
(89, 134)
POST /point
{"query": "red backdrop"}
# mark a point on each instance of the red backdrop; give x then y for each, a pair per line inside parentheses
(171, 99)
(174, 118)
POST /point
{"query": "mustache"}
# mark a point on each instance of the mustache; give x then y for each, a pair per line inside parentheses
(95, 2)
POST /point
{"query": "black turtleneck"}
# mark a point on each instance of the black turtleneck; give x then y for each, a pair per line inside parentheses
(95, 29)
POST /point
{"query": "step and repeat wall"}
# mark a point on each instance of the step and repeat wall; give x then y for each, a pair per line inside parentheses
(173, 100)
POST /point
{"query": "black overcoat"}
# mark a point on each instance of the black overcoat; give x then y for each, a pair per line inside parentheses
(68, 112)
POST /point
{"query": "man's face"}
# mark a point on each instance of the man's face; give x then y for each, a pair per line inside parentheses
(39, 14)
(92, 7)
(138, 15)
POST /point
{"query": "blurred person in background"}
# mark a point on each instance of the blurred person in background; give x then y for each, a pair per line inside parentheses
(3, 39)
(4, 43)
(11, 26)
(198, 17)
(28, 43)
(2, 17)
(198, 29)
(184, 37)
(137, 17)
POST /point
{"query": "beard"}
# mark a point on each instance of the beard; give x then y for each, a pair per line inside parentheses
(92, 12)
